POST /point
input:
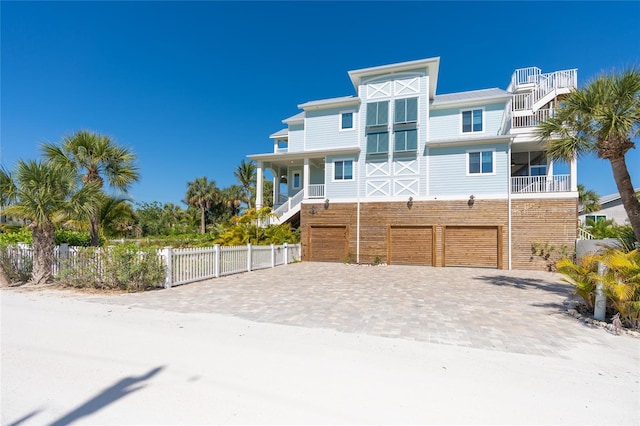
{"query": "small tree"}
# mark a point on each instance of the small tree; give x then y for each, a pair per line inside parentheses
(46, 194)
(202, 193)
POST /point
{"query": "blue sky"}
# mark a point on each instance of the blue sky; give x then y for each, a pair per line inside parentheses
(193, 87)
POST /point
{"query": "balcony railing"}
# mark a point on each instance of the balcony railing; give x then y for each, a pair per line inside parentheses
(316, 191)
(537, 184)
(531, 120)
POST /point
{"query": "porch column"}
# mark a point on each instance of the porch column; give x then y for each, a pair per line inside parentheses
(573, 175)
(305, 178)
(259, 181)
(276, 188)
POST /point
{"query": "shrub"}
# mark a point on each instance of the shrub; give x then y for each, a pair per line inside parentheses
(125, 267)
(16, 267)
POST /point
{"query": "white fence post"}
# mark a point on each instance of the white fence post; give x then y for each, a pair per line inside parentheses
(249, 257)
(167, 252)
(273, 256)
(286, 253)
(216, 260)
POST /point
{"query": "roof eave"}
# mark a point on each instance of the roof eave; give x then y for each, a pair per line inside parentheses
(470, 102)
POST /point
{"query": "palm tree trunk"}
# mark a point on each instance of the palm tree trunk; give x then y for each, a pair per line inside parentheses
(95, 234)
(202, 223)
(627, 195)
(44, 240)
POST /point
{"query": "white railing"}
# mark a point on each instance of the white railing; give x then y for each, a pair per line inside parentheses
(536, 184)
(584, 235)
(183, 265)
(289, 204)
(567, 79)
(316, 191)
(521, 102)
(524, 76)
(533, 120)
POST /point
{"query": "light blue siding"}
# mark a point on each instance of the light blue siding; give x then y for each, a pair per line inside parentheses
(296, 138)
(446, 123)
(448, 171)
(323, 129)
(340, 188)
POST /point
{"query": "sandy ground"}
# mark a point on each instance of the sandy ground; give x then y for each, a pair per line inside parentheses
(65, 360)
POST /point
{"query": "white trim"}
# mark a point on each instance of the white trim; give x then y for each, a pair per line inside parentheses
(493, 161)
(483, 121)
(404, 198)
(544, 195)
(353, 120)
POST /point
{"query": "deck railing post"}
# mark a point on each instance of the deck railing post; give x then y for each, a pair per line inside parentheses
(249, 260)
(167, 253)
(216, 260)
(286, 253)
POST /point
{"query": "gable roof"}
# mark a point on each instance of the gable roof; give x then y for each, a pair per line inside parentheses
(430, 64)
(294, 118)
(280, 134)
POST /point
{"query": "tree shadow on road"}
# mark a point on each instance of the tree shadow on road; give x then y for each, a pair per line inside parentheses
(560, 288)
(107, 396)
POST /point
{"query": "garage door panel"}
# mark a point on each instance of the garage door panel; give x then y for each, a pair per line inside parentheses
(471, 246)
(328, 243)
(411, 245)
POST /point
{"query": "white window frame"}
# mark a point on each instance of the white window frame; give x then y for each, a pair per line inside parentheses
(333, 169)
(472, 132)
(353, 121)
(493, 161)
(405, 98)
(595, 217)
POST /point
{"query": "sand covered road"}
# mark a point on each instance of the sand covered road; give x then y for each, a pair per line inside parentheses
(67, 360)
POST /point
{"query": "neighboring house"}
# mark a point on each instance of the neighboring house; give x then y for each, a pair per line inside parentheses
(611, 209)
(405, 175)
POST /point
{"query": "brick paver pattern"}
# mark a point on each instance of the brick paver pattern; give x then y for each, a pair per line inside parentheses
(513, 311)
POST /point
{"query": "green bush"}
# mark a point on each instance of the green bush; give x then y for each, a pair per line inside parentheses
(125, 267)
(11, 238)
(73, 238)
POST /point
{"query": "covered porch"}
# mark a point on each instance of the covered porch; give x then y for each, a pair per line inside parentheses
(532, 172)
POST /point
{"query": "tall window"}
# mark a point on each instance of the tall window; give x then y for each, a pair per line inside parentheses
(472, 121)
(296, 180)
(377, 131)
(346, 121)
(405, 125)
(343, 170)
(480, 162)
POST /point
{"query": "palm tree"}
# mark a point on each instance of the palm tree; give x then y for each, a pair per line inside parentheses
(232, 197)
(246, 175)
(46, 194)
(202, 193)
(601, 118)
(98, 158)
(589, 199)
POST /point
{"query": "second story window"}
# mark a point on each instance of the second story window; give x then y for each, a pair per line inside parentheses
(406, 140)
(346, 121)
(472, 121)
(343, 170)
(480, 162)
(378, 143)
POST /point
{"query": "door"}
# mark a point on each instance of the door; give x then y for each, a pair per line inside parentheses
(328, 243)
(477, 246)
(410, 245)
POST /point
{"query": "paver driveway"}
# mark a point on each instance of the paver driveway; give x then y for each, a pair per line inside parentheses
(513, 311)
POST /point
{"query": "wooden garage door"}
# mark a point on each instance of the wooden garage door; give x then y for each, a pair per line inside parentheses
(328, 243)
(411, 245)
(471, 246)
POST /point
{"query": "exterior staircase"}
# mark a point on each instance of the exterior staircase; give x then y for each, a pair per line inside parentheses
(534, 93)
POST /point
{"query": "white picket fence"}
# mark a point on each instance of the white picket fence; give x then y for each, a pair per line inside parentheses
(194, 264)
(187, 265)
